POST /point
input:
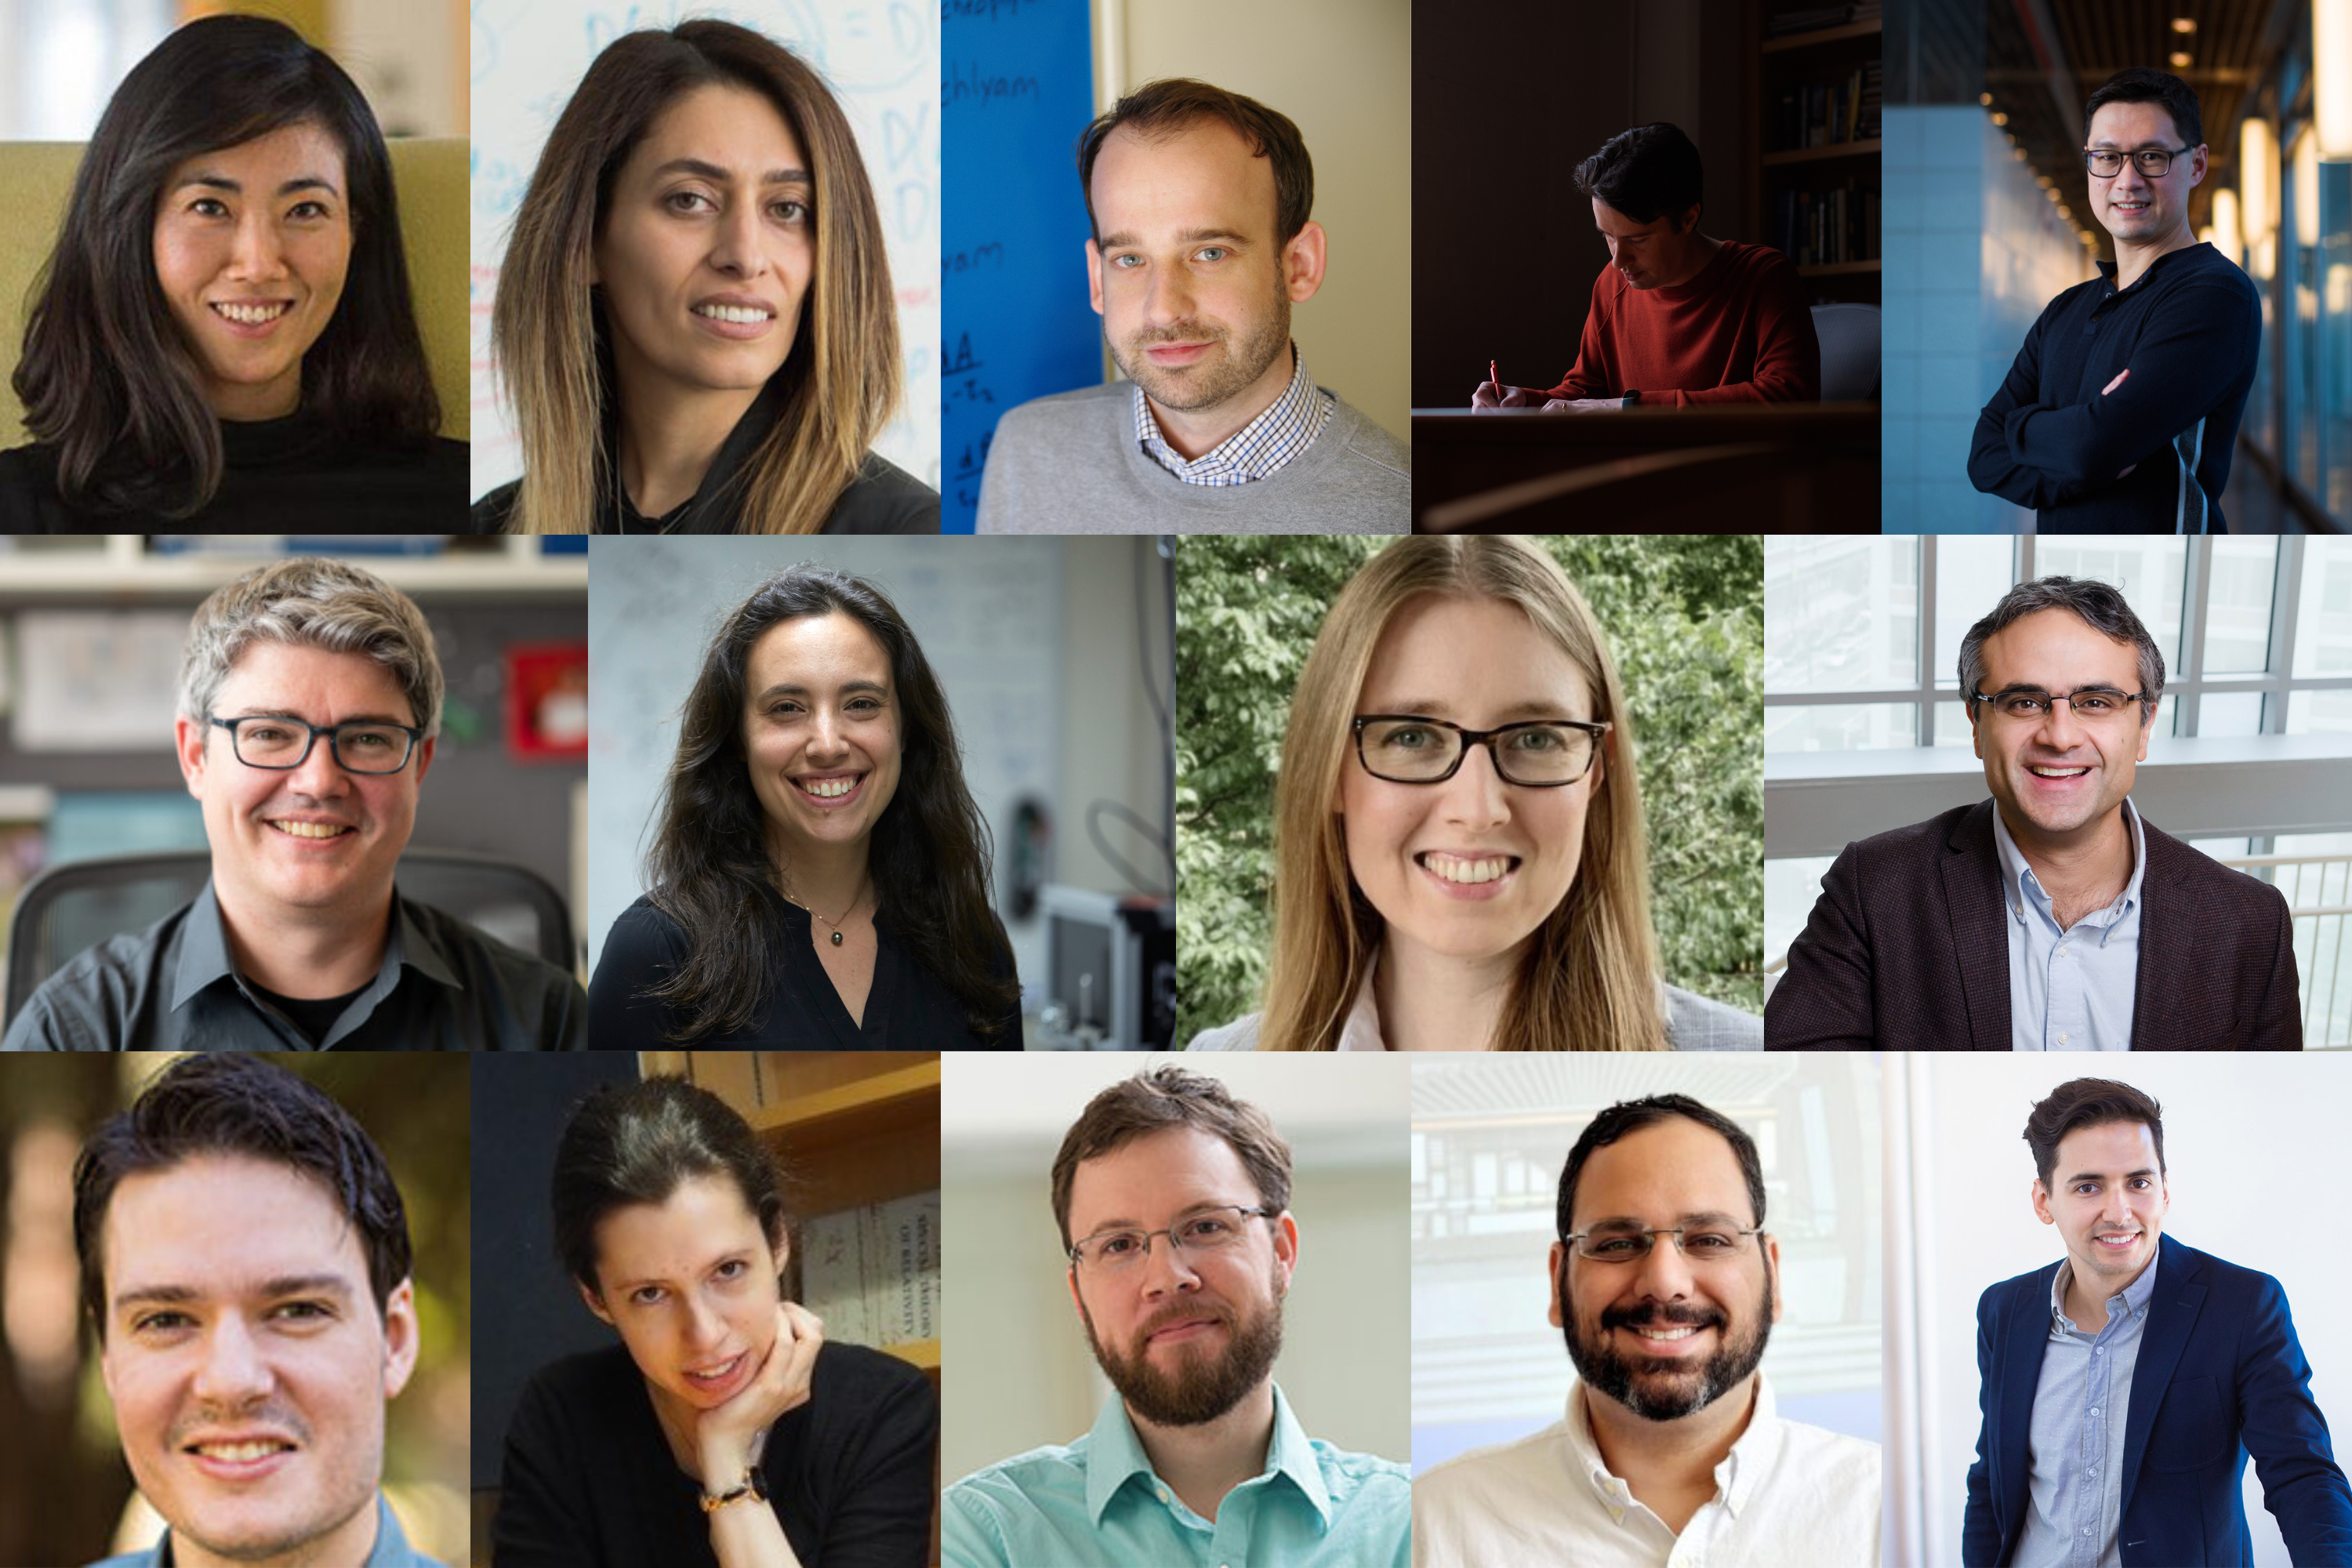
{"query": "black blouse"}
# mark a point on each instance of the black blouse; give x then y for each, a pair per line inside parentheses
(906, 1008)
(590, 1480)
(280, 476)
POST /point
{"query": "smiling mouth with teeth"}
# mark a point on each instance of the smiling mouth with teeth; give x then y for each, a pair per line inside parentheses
(743, 315)
(311, 829)
(2047, 773)
(1674, 1333)
(254, 315)
(242, 1453)
(1457, 869)
(829, 789)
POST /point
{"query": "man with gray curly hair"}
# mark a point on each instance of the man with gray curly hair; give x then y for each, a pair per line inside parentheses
(310, 709)
(2052, 917)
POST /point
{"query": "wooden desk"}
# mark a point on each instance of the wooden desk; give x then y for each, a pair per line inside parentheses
(1754, 469)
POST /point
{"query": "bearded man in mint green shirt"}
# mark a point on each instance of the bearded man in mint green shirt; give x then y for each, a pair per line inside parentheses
(1173, 1200)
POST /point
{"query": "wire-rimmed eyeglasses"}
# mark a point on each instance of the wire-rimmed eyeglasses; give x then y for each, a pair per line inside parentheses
(1543, 753)
(2092, 704)
(1201, 1231)
(1700, 1242)
(282, 744)
(2106, 162)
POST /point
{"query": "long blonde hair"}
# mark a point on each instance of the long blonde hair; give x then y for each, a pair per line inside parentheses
(842, 379)
(1590, 980)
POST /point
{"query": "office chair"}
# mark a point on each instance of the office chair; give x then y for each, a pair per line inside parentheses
(74, 906)
(1849, 335)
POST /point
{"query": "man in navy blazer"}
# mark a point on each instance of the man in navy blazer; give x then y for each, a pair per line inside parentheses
(2124, 1387)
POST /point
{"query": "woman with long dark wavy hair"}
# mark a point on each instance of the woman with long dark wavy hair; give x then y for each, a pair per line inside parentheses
(223, 337)
(819, 873)
(695, 322)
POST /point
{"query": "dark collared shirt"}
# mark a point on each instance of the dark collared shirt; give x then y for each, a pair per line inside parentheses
(392, 1549)
(443, 987)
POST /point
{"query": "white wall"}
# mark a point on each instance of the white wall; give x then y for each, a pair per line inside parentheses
(2244, 1141)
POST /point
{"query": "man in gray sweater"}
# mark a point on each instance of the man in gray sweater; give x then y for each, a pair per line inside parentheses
(1201, 244)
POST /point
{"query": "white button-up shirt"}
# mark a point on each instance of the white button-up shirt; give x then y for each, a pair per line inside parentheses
(1787, 1494)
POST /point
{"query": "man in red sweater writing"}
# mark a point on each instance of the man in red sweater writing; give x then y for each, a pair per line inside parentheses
(1677, 319)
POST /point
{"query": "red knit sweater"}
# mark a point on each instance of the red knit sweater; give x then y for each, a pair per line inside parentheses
(1739, 332)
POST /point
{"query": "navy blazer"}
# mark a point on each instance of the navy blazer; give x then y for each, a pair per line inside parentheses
(2220, 1375)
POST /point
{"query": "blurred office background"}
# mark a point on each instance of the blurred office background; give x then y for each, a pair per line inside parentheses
(1019, 1373)
(1054, 656)
(91, 635)
(65, 1493)
(2251, 760)
(1490, 1135)
(1023, 82)
(1989, 218)
(1959, 1218)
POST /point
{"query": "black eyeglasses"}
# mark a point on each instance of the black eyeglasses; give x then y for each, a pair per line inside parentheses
(1546, 754)
(2106, 162)
(280, 744)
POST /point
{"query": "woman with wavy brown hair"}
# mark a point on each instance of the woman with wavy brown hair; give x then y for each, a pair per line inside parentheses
(695, 323)
(1460, 861)
(819, 874)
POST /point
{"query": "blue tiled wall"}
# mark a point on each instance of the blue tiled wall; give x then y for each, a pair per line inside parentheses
(1973, 251)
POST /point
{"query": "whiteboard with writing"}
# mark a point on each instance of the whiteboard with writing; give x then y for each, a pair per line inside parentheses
(1016, 87)
(881, 59)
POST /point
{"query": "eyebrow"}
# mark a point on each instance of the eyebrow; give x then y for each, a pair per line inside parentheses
(1181, 1215)
(1438, 708)
(1123, 239)
(283, 1286)
(2045, 691)
(719, 175)
(731, 1255)
(786, 689)
(1703, 1217)
(223, 182)
(2102, 1175)
(355, 718)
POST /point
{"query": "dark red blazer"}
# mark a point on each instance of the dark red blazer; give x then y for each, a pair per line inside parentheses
(1906, 950)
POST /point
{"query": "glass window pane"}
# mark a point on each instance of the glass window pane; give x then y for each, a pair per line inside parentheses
(2323, 621)
(1840, 614)
(1952, 724)
(1840, 727)
(2319, 713)
(2149, 574)
(2323, 943)
(2223, 848)
(1972, 571)
(2230, 713)
(2238, 607)
(1790, 887)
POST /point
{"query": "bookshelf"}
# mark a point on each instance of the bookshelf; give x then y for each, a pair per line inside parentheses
(1813, 188)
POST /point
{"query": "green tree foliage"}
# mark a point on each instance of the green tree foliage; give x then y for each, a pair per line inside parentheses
(1686, 621)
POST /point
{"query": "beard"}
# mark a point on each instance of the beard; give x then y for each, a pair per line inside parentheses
(1203, 1384)
(1654, 1387)
(1204, 384)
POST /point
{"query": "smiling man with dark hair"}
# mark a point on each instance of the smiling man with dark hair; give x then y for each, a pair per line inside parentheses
(2122, 410)
(1677, 319)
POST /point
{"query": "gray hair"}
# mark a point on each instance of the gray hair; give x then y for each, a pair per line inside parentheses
(2101, 607)
(312, 601)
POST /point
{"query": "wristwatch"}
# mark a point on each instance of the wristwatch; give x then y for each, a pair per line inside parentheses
(751, 1490)
(1631, 398)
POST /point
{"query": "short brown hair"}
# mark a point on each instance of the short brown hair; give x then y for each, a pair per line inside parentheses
(1165, 1098)
(2089, 1102)
(1175, 104)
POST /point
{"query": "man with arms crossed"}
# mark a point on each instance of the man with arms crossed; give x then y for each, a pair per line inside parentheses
(309, 705)
(1173, 1200)
(245, 1259)
(1677, 320)
(2052, 917)
(2124, 1385)
(1201, 244)
(2121, 411)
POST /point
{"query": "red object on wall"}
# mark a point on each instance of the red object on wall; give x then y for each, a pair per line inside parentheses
(547, 702)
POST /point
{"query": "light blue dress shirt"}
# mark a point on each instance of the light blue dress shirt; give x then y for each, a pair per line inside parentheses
(2071, 990)
(392, 1549)
(1096, 1503)
(2074, 1479)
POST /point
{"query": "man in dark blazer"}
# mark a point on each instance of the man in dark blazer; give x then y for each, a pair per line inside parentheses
(2052, 917)
(2198, 1357)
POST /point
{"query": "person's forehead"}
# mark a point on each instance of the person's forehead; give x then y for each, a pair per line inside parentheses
(702, 1218)
(2145, 124)
(272, 673)
(1157, 1174)
(733, 127)
(1620, 227)
(833, 646)
(306, 147)
(1202, 176)
(1662, 1173)
(1448, 656)
(223, 1224)
(2110, 1146)
(2058, 646)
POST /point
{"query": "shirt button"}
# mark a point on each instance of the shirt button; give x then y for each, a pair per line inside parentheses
(1162, 1491)
(2095, 1410)
(2061, 1038)
(2099, 1349)
(2062, 950)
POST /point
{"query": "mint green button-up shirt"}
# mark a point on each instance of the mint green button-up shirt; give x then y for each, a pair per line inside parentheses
(1096, 1503)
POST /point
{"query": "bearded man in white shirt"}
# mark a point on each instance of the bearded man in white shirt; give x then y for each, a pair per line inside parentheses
(1666, 1285)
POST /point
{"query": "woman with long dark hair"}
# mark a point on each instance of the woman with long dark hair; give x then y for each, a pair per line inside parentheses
(695, 322)
(819, 874)
(223, 337)
(724, 1427)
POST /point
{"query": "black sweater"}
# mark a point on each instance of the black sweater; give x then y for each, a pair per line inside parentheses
(590, 1482)
(280, 475)
(2187, 329)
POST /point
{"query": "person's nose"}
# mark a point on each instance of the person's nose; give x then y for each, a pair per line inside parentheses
(319, 775)
(705, 1328)
(258, 253)
(1166, 1268)
(1171, 297)
(828, 741)
(1476, 797)
(1664, 1275)
(2061, 729)
(234, 1373)
(739, 247)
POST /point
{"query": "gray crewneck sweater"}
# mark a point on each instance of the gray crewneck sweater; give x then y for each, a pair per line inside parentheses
(1070, 464)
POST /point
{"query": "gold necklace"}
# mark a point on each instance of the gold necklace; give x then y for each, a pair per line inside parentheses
(834, 924)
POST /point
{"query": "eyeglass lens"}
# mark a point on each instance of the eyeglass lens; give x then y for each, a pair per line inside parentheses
(1406, 751)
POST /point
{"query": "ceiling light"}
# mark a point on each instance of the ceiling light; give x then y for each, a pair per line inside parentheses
(1985, 98)
(2000, 119)
(2331, 55)
(2184, 24)
(2257, 178)
(2180, 62)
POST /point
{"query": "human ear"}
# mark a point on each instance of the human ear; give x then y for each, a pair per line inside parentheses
(400, 1337)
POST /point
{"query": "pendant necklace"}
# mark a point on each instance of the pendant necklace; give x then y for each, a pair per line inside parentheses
(834, 924)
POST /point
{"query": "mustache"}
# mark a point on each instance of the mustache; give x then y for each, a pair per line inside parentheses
(1181, 332)
(1662, 1315)
(1177, 1316)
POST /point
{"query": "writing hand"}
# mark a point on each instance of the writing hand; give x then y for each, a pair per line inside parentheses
(2103, 392)
(723, 1434)
(1583, 406)
(1494, 395)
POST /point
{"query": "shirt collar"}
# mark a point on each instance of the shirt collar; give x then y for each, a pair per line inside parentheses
(1736, 1478)
(2134, 1295)
(1114, 1454)
(2019, 885)
(1361, 1032)
(204, 960)
(1258, 450)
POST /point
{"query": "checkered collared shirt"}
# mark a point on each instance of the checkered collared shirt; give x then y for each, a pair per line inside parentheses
(1255, 451)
